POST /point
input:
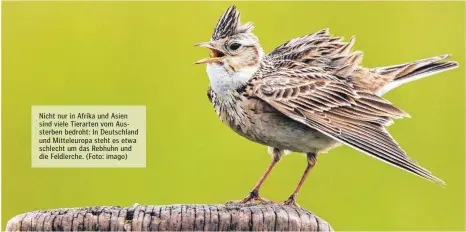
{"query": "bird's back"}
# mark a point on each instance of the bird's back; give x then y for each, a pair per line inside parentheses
(336, 57)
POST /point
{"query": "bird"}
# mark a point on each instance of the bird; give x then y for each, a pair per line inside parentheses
(308, 95)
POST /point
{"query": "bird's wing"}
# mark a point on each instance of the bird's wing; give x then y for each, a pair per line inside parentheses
(319, 49)
(335, 108)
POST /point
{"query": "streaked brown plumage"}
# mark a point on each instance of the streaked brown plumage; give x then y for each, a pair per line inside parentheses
(308, 95)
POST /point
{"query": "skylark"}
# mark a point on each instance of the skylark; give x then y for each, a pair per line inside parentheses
(308, 95)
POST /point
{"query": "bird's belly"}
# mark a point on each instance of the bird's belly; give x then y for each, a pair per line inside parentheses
(270, 127)
(279, 131)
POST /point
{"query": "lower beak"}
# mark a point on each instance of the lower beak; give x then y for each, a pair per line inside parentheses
(215, 54)
(208, 60)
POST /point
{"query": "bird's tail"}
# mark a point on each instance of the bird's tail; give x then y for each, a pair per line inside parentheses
(404, 73)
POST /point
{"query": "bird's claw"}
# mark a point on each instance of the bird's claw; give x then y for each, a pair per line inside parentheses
(291, 201)
(252, 198)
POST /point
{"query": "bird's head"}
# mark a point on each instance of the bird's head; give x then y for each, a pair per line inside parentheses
(232, 42)
(234, 49)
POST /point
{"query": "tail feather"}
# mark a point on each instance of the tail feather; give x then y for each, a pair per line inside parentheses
(408, 72)
(429, 69)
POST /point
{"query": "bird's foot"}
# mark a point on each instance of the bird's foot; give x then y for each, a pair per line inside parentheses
(252, 198)
(291, 201)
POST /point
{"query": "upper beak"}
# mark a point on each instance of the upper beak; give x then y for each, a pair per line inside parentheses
(215, 54)
(204, 44)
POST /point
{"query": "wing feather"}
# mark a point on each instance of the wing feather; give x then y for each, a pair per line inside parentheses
(321, 50)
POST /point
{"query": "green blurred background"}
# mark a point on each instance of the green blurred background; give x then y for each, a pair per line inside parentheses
(125, 53)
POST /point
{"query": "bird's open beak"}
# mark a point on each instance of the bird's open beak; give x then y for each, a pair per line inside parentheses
(215, 54)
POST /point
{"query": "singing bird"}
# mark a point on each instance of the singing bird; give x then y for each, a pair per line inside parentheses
(308, 95)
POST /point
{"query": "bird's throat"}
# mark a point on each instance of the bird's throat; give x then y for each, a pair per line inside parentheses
(224, 80)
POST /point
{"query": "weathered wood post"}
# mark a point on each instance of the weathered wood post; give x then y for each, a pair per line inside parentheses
(251, 217)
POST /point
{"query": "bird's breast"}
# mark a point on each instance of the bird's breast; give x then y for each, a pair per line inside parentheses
(229, 108)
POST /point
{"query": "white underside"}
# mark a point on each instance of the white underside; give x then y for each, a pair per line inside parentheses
(395, 84)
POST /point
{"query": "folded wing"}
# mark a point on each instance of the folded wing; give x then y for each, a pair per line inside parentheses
(332, 106)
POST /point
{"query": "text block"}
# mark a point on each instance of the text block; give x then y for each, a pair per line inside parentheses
(88, 136)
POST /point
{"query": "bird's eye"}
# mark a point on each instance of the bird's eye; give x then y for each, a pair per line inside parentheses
(234, 46)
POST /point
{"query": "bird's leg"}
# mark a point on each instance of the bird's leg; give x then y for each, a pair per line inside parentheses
(254, 194)
(311, 161)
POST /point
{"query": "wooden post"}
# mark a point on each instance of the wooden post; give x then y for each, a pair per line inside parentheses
(170, 218)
